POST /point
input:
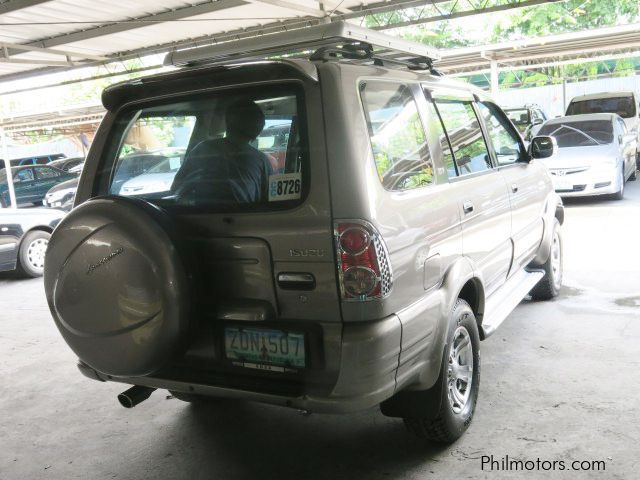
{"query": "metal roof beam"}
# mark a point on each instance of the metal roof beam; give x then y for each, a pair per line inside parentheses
(177, 14)
(314, 12)
(466, 13)
(15, 5)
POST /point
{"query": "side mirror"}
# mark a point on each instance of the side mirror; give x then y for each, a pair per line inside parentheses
(543, 147)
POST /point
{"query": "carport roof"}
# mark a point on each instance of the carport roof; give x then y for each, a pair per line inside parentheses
(37, 35)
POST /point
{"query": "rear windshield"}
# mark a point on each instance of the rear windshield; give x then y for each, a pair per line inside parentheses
(519, 117)
(241, 150)
(623, 106)
(580, 134)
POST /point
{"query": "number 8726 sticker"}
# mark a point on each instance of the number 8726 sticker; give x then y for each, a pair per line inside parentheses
(287, 186)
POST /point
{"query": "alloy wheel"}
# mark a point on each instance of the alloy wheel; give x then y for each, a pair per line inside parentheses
(36, 253)
(460, 370)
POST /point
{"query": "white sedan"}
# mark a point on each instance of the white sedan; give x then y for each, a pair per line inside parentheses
(596, 155)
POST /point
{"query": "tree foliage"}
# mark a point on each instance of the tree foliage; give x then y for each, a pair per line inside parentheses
(534, 21)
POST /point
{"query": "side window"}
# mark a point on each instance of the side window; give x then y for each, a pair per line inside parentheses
(447, 155)
(46, 173)
(505, 140)
(24, 175)
(397, 135)
(465, 136)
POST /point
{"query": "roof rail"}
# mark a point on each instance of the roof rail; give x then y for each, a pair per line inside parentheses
(331, 37)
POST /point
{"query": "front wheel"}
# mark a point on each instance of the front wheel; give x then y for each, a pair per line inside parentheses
(550, 285)
(459, 380)
(619, 195)
(32, 252)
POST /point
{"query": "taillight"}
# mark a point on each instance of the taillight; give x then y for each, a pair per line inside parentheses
(363, 261)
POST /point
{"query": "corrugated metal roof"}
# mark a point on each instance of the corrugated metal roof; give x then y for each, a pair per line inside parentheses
(121, 28)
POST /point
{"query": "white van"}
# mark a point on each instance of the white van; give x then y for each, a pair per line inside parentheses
(624, 104)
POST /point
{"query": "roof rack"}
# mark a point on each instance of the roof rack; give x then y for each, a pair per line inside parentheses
(325, 42)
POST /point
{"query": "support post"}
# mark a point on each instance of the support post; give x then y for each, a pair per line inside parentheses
(7, 166)
(495, 79)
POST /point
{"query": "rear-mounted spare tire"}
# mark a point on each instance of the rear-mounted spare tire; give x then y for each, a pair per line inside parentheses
(117, 287)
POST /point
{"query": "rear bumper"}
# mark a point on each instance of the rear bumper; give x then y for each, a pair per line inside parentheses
(367, 375)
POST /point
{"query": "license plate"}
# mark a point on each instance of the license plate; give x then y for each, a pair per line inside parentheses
(263, 349)
(563, 185)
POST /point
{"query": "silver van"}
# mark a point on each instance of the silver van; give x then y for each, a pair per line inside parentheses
(355, 256)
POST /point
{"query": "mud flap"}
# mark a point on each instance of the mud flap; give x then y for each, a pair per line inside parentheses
(423, 404)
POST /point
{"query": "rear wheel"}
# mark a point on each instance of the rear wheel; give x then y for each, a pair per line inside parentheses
(458, 383)
(32, 253)
(550, 285)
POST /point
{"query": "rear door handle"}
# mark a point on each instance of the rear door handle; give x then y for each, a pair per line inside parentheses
(514, 188)
(467, 207)
(296, 281)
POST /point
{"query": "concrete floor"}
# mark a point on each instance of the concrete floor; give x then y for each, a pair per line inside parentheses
(560, 381)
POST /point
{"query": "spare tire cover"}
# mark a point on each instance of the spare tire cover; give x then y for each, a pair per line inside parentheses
(116, 286)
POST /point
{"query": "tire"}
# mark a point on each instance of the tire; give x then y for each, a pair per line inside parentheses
(550, 285)
(456, 409)
(32, 253)
(619, 195)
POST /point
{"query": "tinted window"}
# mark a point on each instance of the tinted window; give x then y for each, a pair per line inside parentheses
(623, 106)
(580, 134)
(505, 141)
(47, 173)
(398, 140)
(24, 175)
(465, 136)
(224, 152)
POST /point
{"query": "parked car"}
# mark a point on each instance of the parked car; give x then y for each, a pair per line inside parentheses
(624, 104)
(62, 195)
(273, 141)
(366, 273)
(31, 183)
(24, 236)
(157, 179)
(527, 119)
(596, 155)
(67, 164)
(134, 165)
(35, 160)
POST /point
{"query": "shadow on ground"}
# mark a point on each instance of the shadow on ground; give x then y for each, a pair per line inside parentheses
(251, 441)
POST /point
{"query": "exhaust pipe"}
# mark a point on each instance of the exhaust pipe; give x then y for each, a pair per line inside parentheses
(134, 396)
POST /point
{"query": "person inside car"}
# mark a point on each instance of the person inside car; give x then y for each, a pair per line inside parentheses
(229, 170)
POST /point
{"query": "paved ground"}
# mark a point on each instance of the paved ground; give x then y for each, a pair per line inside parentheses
(560, 381)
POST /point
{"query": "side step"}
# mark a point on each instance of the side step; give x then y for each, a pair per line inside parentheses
(502, 302)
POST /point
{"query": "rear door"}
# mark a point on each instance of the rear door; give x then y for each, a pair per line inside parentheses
(46, 178)
(262, 235)
(258, 242)
(479, 188)
(525, 182)
(24, 185)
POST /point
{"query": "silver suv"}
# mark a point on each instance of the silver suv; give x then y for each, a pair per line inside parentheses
(330, 234)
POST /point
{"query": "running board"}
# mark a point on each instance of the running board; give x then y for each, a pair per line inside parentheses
(502, 303)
